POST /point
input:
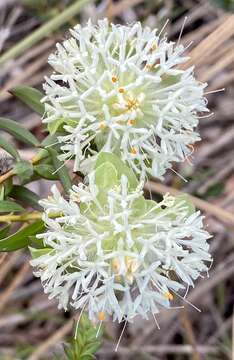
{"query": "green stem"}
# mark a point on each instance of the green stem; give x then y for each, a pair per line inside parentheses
(43, 31)
(35, 215)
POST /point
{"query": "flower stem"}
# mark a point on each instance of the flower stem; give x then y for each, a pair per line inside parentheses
(36, 158)
(43, 31)
(21, 217)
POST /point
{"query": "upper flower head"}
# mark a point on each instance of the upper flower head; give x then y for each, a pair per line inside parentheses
(119, 89)
(113, 252)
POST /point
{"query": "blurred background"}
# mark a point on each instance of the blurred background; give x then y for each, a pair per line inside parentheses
(31, 326)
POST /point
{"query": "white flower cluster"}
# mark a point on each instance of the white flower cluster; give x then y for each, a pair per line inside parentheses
(119, 89)
(112, 252)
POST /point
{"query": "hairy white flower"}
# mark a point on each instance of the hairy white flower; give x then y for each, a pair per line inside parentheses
(113, 252)
(119, 89)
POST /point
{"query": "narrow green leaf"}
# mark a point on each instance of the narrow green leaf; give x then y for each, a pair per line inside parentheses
(5, 188)
(61, 170)
(20, 239)
(4, 230)
(10, 206)
(26, 196)
(24, 170)
(4, 144)
(46, 171)
(18, 131)
(30, 96)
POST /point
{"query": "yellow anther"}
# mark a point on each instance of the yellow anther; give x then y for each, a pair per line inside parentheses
(168, 295)
(132, 266)
(131, 122)
(149, 67)
(115, 265)
(114, 79)
(101, 316)
(133, 151)
(121, 90)
(191, 147)
(102, 125)
(154, 47)
(132, 104)
(75, 197)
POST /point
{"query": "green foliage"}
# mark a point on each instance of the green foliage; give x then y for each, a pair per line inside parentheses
(46, 171)
(4, 144)
(4, 230)
(18, 131)
(86, 343)
(120, 167)
(21, 239)
(227, 5)
(30, 96)
(60, 169)
(214, 190)
(24, 170)
(10, 206)
(25, 196)
(38, 252)
(187, 203)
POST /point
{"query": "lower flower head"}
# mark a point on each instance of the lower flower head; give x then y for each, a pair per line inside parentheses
(113, 252)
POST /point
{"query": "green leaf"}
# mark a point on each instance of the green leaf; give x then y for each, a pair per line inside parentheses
(106, 176)
(10, 206)
(4, 230)
(26, 196)
(35, 253)
(55, 125)
(61, 170)
(5, 188)
(20, 239)
(49, 140)
(18, 131)
(46, 171)
(30, 96)
(42, 154)
(119, 165)
(36, 243)
(86, 343)
(24, 170)
(4, 144)
(187, 203)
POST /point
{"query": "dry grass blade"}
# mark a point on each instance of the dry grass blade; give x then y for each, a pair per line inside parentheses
(123, 5)
(7, 264)
(19, 276)
(189, 333)
(214, 210)
(212, 42)
(55, 338)
(223, 63)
